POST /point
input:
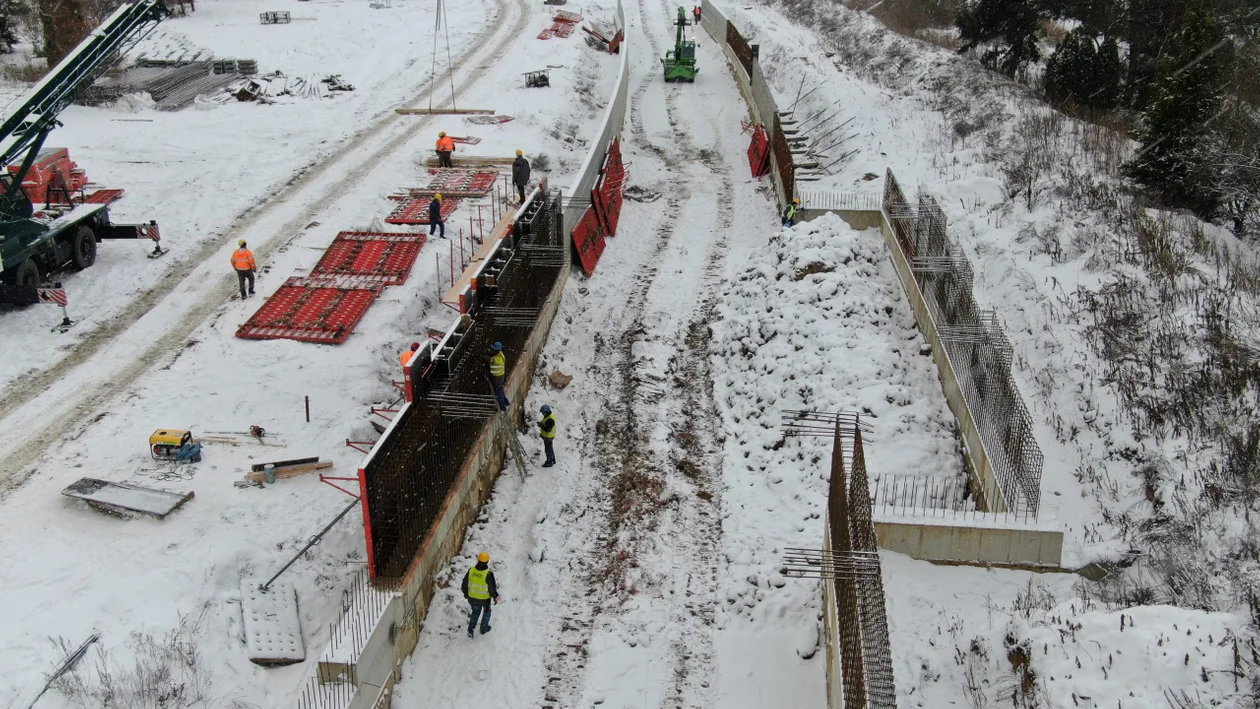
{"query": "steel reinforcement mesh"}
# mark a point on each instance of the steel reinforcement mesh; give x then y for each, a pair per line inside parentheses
(976, 344)
(413, 470)
(862, 619)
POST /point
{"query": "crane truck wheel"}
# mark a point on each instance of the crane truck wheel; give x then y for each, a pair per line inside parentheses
(27, 274)
(84, 254)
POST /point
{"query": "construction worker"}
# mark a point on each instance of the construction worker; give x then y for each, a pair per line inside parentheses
(496, 362)
(243, 262)
(696, 12)
(479, 587)
(408, 354)
(435, 216)
(789, 212)
(547, 430)
(520, 174)
(445, 146)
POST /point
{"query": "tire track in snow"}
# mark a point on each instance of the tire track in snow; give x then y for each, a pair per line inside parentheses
(654, 445)
(87, 398)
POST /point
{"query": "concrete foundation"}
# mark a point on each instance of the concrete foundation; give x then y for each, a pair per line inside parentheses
(1011, 545)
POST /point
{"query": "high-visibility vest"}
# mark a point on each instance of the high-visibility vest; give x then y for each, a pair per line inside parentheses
(243, 260)
(552, 432)
(446, 144)
(790, 212)
(477, 586)
(498, 365)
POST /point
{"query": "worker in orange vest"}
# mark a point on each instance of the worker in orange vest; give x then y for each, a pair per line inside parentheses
(445, 146)
(243, 262)
(696, 12)
(408, 354)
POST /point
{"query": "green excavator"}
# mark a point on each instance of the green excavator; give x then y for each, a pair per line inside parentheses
(680, 63)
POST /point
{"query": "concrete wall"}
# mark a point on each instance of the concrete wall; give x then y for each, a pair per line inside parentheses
(859, 219)
(982, 546)
(831, 635)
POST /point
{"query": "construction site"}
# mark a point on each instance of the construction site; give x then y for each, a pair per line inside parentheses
(590, 293)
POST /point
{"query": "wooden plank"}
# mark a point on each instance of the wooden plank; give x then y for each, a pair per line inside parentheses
(472, 162)
(291, 471)
(496, 235)
(121, 498)
(258, 467)
(441, 111)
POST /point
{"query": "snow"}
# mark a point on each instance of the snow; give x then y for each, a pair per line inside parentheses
(156, 347)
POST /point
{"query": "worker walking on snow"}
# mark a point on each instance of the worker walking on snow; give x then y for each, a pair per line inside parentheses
(496, 362)
(789, 212)
(243, 262)
(435, 216)
(696, 12)
(445, 146)
(479, 587)
(408, 354)
(547, 430)
(520, 174)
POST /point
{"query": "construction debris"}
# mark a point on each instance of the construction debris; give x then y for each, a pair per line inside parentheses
(488, 120)
(441, 111)
(559, 379)
(266, 88)
(121, 499)
(280, 17)
(535, 79)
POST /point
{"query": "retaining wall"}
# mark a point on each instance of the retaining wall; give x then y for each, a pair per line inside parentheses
(940, 540)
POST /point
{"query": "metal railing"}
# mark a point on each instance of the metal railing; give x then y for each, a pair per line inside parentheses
(857, 201)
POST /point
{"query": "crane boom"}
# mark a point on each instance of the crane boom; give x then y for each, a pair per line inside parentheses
(24, 129)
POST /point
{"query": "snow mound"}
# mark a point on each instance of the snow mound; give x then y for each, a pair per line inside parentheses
(817, 321)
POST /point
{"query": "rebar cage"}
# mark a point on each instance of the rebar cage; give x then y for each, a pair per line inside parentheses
(976, 345)
(413, 470)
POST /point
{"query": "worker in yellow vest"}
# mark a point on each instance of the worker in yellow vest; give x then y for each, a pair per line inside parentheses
(479, 587)
(496, 362)
(547, 430)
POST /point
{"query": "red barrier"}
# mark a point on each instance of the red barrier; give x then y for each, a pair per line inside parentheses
(759, 153)
(588, 238)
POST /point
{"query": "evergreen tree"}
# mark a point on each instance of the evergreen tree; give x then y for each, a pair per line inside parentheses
(1083, 75)
(1108, 73)
(1009, 28)
(1175, 124)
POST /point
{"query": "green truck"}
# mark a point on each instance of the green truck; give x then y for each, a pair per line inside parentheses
(36, 242)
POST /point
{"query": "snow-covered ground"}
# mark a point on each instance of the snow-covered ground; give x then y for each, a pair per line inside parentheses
(308, 170)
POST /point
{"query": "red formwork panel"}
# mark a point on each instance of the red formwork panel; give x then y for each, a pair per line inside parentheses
(386, 255)
(460, 180)
(321, 309)
(416, 211)
(759, 153)
(104, 196)
(588, 239)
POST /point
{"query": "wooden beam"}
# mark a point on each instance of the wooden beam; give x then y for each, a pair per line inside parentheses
(291, 471)
(442, 111)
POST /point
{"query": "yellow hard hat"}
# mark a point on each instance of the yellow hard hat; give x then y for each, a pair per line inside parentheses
(796, 201)
(438, 196)
(483, 557)
(518, 152)
(241, 242)
(441, 134)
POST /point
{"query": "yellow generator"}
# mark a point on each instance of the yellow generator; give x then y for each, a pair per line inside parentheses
(170, 444)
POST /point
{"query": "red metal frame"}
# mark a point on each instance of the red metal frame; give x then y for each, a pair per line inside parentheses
(387, 255)
(759, 152)
(367, 523)
(321, 309)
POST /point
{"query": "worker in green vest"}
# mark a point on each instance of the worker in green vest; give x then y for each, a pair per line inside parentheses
(479, 587)
(496, 362)
(547, 429)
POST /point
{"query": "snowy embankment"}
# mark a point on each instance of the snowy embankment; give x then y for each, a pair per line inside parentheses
(817, 322)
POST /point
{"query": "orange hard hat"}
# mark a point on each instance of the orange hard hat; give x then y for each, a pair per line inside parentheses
(483, 557)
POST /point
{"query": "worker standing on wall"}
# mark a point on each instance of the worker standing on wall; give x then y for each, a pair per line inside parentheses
(479, 587)
(789, 212)
(244, 264)
(408, 354)
(496, 361)
(547, 430)
(435, 216)
(520, 174)
(445, 146)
